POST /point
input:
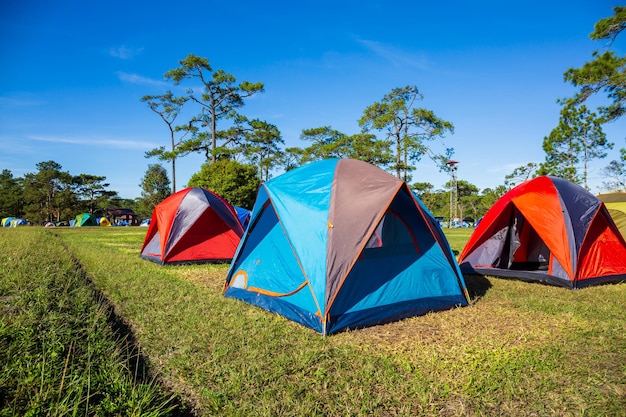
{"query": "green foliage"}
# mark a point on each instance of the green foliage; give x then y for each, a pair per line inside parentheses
(471, 206)
(578, 138)
(490, 196)
(11, 202)
(409, 129)
(51, 194)
(292, 158)
(606, 72)
(420, 188)
(261, 146)
(520, 174)
(220, 99)
(168, 107)
(93, 192)
(366, 147)
(464, 188)
(326, 143)
(155, 187)
(437, 201)
(45, 192)
(616, 173)
(237, 183)
(610, 27)
(471, 203)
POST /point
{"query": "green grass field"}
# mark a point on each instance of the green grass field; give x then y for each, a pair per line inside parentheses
(520, 350)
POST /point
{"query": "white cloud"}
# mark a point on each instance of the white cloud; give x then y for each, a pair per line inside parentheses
(396, 56)
(108, 143)
(124, 52)
(139, 79)
(20, 101)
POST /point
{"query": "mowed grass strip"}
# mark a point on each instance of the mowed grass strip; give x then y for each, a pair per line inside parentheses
(521, 349)
(59, 354)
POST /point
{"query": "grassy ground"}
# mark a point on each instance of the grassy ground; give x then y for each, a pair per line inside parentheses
(520, 350)
(457, 237)
(60, 352)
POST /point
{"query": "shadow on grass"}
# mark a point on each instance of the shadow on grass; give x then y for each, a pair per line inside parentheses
(477, 286)
(136, 362)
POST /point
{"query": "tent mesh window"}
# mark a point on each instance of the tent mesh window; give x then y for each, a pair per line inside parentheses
(391, 237)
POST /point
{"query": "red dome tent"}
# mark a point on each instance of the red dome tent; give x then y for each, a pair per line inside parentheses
(192, 225)
(550, 230)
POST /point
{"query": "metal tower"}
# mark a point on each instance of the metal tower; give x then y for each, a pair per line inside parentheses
(454, 191)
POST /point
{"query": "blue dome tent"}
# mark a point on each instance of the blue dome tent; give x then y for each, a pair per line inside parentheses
(342, 244)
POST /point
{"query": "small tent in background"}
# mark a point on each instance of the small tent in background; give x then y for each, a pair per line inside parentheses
(192, 225)
(6, 221)
(342, 244)
(17, 222)
(549, 230)
(85, 219)
(243, 215)
(145, 223)
(103, 221)
(616, 204)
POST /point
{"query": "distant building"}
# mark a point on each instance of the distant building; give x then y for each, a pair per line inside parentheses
(122, 216)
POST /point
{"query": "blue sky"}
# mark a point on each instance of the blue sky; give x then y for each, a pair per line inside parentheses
(73, 73)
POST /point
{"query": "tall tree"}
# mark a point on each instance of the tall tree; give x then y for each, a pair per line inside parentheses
(168, 107)
(465, 188)
(155, 187)
(606, 72)
(489, 196)
(467, 197)
(578, 138)
(220, 99)
(367, 147)
(425, 192)
(330, 143)
(471, 206)
(237, 183)
(616, 173)
(407, 127)
(325, 142)
(262, 146)
(520, 174)
(91, 189)
(11, 202)
(292, 158)
(46, 192)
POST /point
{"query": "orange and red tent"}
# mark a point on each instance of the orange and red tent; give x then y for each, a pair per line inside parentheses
(190, 226)
(550, 230)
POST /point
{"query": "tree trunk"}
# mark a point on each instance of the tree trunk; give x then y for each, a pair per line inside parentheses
(398, 157)
(173, 161)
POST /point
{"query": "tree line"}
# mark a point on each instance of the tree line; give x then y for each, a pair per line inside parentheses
(219, 130)
(396, 133)
(53, 195)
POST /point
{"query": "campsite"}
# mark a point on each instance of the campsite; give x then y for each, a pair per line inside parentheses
(520, 349)
(284, 267)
